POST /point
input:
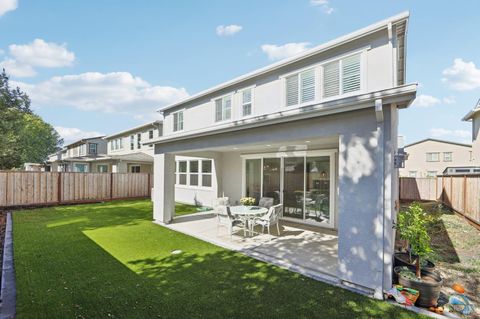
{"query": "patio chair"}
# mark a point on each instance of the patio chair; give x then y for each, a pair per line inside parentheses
(225, 218)
(266, 202)
(270, 219)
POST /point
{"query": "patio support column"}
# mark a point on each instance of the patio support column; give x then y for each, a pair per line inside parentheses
(164, 188)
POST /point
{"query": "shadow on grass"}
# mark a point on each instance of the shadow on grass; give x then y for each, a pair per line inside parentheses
(109, 261)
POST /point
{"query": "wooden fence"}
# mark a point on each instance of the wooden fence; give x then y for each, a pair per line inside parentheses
(461, 193)
(49, 188)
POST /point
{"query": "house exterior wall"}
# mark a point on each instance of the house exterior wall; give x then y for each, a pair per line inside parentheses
(378, 65)
(417, 158)
(365, 182)
(83, 148)
(476, 139)
(126, 148)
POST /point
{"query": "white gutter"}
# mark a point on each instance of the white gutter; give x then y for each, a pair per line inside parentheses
(318, 49)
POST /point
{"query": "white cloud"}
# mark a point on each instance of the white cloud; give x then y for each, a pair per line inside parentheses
(24, 58)
(71, 134)
(323, 4)
(228, 30)
(7, 5)
(277, 52)
(425, 100)
(462, 76)
(441, 132)
(116, 92)
(16, 69)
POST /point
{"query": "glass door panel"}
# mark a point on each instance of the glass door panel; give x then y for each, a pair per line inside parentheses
(253, 178)
(271, 179)
(317, 195)
(293, 187)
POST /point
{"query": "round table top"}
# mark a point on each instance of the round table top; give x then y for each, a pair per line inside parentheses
(248, 210)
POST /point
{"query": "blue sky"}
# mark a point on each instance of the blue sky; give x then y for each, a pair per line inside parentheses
(102, 66)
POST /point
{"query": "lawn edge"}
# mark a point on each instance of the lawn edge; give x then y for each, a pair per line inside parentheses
(8, 290)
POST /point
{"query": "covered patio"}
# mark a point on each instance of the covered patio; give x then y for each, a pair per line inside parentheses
(306, 249)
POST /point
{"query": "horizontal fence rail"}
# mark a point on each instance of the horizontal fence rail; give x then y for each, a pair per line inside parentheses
(50, 188)
(461, 193)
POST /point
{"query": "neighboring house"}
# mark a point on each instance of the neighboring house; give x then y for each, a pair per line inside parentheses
(129, 150)
(430, 157)
(83, 155)
(474, 117)
(322, 123)
(33, 167)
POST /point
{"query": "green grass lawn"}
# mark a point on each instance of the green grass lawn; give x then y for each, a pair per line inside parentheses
(185, 209)
(110, 261)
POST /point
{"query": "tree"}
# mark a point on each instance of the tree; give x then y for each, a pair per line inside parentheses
(24, 136)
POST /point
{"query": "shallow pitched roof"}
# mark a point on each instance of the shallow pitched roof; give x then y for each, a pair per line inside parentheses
(437, 140)
(469, 115)
(84, 140)
(401, 17)
(158, 122)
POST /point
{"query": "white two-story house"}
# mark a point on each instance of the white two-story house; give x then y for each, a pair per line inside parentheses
(321, 124)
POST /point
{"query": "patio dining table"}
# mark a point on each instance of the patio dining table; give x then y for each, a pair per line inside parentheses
(247, 213)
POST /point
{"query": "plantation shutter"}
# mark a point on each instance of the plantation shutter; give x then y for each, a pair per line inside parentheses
(218, 110)
(247, 102)
(307, 81)
(351, 74)
(291, 93)
(227, 108)
(331, 80)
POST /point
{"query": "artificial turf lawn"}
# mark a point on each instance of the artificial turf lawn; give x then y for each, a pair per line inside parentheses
(110, 261)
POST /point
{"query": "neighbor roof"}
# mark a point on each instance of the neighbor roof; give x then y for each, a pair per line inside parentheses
(154, 123)
(437, 140)
(402, 17)
(83, 140)
(470, 114)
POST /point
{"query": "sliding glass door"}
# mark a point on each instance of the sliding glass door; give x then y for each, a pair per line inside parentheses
(303, 184)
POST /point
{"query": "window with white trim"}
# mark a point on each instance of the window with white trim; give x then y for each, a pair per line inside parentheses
(433, 157)
(193, 172)
(132, 142)
(139, 140)
(300, 87)
(412, 174)
(150, 134)
(247, 102)
(431, 173)
(92, 148)
(223, 108)
(182, 172)
(342, 76)
(178, 121)
(207, 173)
(447, 156)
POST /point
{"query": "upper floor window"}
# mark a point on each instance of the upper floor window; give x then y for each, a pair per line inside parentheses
(178, 121)
(132, 142)
(223, 108)
(341, 76)
(116, 144)
(150, 134)
(300, 87)
(247, 102)
(139, 140)
(92, 148)
(447, 156)
(433, 157)
(431, 173)
(412, 174)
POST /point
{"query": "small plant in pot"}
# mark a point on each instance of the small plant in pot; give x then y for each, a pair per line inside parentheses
(248, 201)
(412, 226)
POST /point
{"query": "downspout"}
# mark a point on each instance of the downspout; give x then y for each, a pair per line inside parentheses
(381, 185)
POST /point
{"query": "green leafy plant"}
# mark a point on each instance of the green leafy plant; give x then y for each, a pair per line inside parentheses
(412, 227)
(248, 201)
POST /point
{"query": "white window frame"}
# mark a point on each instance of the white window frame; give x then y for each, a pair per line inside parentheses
(136, 165)
(298, 73)
(412, 173)
(188, 173)
(102, 165)
(183, 120)
(132, 142)
(450, 159)
(430, 160)
(232, 108)
(431, 174)
(90, 148)
(319, 79)
(150, 134)
(240, 102)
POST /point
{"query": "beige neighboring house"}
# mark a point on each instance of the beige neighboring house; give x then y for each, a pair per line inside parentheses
(129, 150)
(430, 157)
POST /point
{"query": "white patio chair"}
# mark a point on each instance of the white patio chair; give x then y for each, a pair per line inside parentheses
(266, 202)
(270, 219)
(225, 218)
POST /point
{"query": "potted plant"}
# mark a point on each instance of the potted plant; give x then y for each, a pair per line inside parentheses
(412, 226)
(248, 201)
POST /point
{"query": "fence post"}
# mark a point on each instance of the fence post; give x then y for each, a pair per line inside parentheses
(464, 194)
(111, 185)
(59, 187)
(443, 190)
(148, 186)
(6, 189)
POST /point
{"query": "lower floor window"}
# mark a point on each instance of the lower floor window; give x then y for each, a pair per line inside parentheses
(102, 168)
(81, 168)
(194, 173)
(135, 169)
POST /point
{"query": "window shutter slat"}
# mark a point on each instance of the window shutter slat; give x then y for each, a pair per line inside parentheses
(307, 81)
(218, 110)
(292, 90)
